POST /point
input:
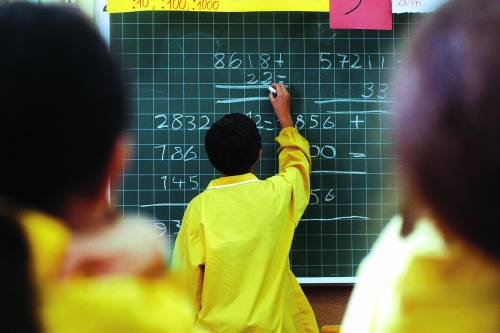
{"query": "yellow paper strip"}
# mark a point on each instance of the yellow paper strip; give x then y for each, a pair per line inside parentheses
(122, 6)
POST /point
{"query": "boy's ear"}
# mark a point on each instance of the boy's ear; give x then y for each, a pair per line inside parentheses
(116, 164)
(259, 155)
(120, 154)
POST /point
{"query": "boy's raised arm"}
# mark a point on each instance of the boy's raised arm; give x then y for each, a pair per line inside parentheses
(294, 153)
(281, 105)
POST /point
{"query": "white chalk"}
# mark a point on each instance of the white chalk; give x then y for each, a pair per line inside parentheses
(271, 89)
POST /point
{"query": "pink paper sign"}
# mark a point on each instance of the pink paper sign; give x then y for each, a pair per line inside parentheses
(361, 14)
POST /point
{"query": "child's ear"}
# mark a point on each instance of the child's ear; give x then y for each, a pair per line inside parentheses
(259, 155)
(116, 164)
(120, 154)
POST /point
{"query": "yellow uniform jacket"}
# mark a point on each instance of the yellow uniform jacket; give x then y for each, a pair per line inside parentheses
(422, 283)
(235, 241)
(114, 304)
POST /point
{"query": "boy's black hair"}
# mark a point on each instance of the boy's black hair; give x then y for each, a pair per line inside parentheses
(233, 144)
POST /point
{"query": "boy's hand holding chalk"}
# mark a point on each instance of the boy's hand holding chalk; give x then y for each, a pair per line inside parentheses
(280, 100)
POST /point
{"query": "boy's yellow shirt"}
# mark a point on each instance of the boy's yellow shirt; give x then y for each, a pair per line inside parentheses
(235, 241)
(119, 304)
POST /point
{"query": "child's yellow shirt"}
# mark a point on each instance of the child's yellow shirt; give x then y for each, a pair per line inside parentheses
(235, 241)
(118, 304)
(422, 283)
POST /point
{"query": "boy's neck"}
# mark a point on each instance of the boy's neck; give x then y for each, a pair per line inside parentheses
(241, 174)
(82, 215)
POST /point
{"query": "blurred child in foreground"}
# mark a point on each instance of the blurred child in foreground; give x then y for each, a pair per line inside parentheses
(68, 264)
(436, 268)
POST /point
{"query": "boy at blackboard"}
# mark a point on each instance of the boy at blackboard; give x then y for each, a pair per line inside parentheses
(235, 237)
(68, 263)
(436, 268)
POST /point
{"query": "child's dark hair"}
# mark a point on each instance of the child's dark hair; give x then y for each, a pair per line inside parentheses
(233, 144)
(448, 120)
(62, 111)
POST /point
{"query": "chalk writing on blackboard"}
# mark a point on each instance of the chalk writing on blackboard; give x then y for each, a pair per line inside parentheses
(186, 70)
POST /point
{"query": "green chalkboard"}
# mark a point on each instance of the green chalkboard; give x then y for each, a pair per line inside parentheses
(185, 70)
